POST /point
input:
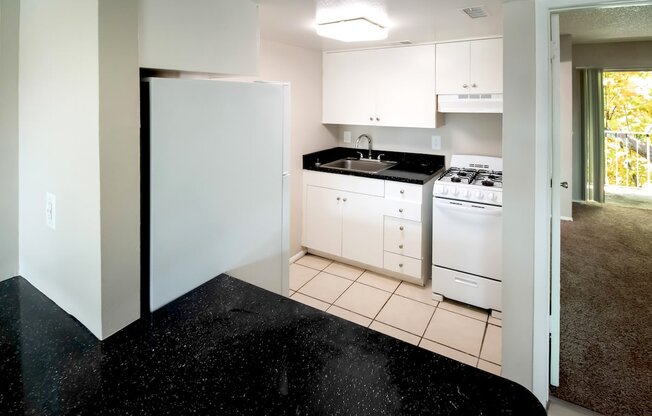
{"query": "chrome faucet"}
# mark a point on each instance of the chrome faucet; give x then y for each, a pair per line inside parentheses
(366, 136)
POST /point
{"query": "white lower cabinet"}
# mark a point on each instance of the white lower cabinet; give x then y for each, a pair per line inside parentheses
(381, 225)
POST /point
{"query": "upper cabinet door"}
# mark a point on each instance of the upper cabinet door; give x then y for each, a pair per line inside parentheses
(349, 87)
(380, 87)
(406, 87)
(452, 69)
(486, 76)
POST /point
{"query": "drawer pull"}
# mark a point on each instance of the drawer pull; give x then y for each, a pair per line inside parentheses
(344, 199)
(400, 265)
(400, 246)
(338, 198)
(400, 210)
(402, 191)
(466, 282)
(401, 228)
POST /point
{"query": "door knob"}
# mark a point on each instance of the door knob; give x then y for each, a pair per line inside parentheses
(564, 185)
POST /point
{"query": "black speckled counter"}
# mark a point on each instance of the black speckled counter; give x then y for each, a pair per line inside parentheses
(229, 348)
(416, 168)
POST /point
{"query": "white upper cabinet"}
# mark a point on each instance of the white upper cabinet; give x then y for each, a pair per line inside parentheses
(209, 36)
(381, 87)
(470, 67)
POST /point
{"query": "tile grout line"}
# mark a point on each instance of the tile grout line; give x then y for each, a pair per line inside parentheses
(422, 337)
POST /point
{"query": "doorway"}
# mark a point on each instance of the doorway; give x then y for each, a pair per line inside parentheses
(627, 138)
(605, 258)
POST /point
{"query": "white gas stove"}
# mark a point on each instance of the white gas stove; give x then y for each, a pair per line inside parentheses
(467, 232)
(472, 178)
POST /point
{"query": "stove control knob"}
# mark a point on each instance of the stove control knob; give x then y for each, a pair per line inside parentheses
(479, 194)
(492, 196)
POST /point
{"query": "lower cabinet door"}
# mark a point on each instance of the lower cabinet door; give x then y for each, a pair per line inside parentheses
(362, 228)
(323, 220)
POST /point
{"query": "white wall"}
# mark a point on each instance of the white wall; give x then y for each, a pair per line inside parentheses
(219, 37)
(612, 55)
(78, 121)
(302, 68)
(526, 196)
(461, 134)
(59, 153)
(119, 163)
(9, 19)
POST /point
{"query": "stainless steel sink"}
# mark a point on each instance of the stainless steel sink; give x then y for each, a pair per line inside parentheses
(360, 165)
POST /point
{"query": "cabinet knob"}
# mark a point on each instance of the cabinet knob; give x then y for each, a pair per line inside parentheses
(344, 199)
(371, 119)
(400, 228)
(377, 119)
(400, 246)
(402, 191)
(338, 198)
(400, 265)
(474, 85)
(465, 86)
(400, 210)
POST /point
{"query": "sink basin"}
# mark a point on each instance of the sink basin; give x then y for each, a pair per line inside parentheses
(360, 165)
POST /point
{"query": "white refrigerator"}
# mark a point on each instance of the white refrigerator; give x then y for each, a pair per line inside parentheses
(218, 184)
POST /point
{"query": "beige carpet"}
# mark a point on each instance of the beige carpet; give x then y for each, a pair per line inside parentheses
(606, 310)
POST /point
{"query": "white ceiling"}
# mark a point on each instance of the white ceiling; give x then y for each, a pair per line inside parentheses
(293, 21)
(607, 24)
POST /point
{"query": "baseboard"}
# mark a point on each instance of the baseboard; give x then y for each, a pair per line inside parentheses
(566, 218)
(298, 256)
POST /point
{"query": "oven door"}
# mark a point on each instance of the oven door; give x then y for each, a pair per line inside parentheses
(467, 237)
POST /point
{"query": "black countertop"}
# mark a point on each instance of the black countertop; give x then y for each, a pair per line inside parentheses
(229, 348)
(416, 168)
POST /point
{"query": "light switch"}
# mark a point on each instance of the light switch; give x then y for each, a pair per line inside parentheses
(346, 137)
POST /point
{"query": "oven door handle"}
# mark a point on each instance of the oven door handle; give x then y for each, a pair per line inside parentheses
(468, 207)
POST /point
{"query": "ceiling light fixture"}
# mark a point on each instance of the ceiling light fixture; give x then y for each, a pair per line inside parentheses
(352, 30)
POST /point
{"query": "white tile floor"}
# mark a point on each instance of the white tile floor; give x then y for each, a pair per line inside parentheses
(399, 309)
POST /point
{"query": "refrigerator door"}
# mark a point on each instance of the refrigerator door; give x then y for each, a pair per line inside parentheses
(218, 203)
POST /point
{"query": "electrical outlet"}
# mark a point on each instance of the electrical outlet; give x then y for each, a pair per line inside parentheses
(436, 142)
(346, 137)
(50, 210)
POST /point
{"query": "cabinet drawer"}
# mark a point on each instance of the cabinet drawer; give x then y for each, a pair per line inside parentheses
(474, 290)
(403, 210)
(403, 237)
(403, 191)
(402, 264)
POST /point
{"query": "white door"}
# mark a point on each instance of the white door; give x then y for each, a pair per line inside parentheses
(349, 87)
(486, 69)
(555, 226)
(452, 68)
(406, 87)
(323, 220)
(362, 228)
(204, 220)
(467, 237)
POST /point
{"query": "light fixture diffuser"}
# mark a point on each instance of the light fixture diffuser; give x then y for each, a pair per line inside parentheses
(352, 30)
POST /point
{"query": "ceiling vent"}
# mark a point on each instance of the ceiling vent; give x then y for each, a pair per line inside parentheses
(475, 12)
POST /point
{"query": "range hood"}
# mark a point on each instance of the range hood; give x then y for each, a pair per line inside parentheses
(470, 103)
